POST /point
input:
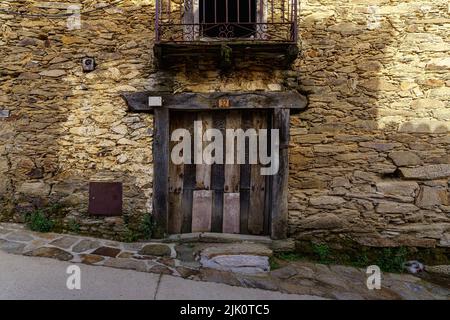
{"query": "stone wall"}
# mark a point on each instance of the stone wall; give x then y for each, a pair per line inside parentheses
(68, 127)
(369, 158)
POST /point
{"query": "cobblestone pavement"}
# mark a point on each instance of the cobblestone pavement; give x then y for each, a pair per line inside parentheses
(35, 278)
(183, 260)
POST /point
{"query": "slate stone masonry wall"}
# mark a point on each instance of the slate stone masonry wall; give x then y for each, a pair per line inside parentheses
(68, 127)
(369, 157)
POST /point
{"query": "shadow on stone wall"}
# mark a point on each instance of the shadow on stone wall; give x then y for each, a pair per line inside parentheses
(349, 147)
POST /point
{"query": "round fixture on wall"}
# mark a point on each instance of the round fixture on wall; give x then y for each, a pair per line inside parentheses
(88, 64)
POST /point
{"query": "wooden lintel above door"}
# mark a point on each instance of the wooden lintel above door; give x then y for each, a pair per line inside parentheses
(190, 101)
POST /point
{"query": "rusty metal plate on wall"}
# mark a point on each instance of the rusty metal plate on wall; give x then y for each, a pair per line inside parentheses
(105, 198)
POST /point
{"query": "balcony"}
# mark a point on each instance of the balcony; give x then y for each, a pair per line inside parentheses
(261, 28)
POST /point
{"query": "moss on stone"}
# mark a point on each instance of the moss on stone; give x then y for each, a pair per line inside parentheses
(389, 259)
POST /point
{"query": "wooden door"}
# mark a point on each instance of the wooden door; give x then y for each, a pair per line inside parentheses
(228, 198)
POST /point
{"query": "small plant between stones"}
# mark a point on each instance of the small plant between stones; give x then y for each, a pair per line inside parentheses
(143, 231)
(392, 259)
(388, 259)
(38, 221)
(148, 226)
(289, 256)
(45, 219)
(322, 251)
(274, 264)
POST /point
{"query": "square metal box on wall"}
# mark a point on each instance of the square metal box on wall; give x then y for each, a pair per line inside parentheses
(105, 198)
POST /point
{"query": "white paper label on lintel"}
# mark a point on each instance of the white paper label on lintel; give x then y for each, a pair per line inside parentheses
(155, 101)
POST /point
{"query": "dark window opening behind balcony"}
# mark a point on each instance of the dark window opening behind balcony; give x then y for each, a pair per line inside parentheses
(228, 18)
(213, 21)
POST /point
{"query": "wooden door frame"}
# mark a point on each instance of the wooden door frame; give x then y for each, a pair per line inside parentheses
(280, 102)
(160, 152)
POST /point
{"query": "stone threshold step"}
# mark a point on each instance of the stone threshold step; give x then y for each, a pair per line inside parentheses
(210, 237)
(243, 257)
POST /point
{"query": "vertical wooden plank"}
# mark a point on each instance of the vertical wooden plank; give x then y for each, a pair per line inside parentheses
(217, 178)
(280, 180)
(188, 189)
(202, 197)
(245, 171)
(268, 193)
(189, 177)
(257, 184)
(217, 211)
(231, 213)
(175, 180)
(232, 171)
(161, 170)
(201, 211)
(175, 212)
(203, 171)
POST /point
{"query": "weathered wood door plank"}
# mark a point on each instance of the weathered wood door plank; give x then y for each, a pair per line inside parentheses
(203, 170)
(218, 178)
(257, 185)
(202, 210)
(279, 208)
(161, 170)
(231, 213)
(245, 175)
(233, 121)
(189, 177)
(176, 172)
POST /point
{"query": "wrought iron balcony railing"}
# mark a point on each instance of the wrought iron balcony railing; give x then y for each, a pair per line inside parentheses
(189, 21)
